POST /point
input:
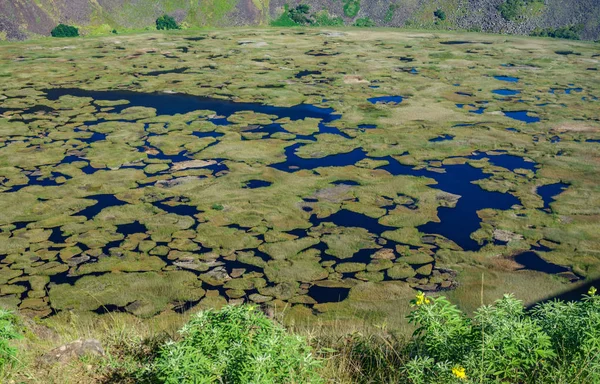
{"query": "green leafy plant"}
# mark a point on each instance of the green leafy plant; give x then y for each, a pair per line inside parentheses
(284, 20)
(389, 14)
(217, 207)
(503, 342)
(515, 9)
(300, 15)
(8, 331)
(62, 30)
(236, 344)
(291, 17)
(364, 22)
(351, 7)
(166, 22)
(440, 14)
(324, 19)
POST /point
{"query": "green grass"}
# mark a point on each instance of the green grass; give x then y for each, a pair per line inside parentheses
(502, 342)
(8, 331)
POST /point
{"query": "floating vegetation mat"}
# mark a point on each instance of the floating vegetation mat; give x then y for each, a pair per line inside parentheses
(310, 171)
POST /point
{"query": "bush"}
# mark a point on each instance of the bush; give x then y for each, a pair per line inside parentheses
(62, 30)
(284, 19)
(555, 342)
(364, 22)
(293, 17)
(166, 22)
(514, 9)
(299, 15)
(236, 344)
(323, 19)
(440, 14)
(351, 7)
(572, 32)
(8, 332)
(389, 14)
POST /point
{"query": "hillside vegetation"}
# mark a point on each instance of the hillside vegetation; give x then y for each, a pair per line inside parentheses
(555, 342)
(20, 19)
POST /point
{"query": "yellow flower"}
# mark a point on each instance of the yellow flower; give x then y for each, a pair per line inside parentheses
(421, 299)
(592, 291)
(459, 372)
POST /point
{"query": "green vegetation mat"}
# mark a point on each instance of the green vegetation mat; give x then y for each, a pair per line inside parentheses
(110, 205)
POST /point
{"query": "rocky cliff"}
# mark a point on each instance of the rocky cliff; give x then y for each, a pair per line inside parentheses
(20, 19)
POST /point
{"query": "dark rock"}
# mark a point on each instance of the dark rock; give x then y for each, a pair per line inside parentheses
(75, 349)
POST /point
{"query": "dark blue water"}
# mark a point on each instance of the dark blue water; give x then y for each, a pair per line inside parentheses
(171, 104)
(39, 181)
(323, 128)
(207, 134)
(74, 159)
(302, 74)
(592, 141)
(458, 180)
(179, 209)
(521, 116)
(386, 99)
(346, 218)
(532, 261)
(252, 184)
(506, 92)
(327, 294)
(95, 136)
(550, 191)
(345, 182)
(367, 126)
(445, 137)
(478, 111)
(510, 162)
(103, 201)
(131, 228)
(566, 90)
(455, 42)
(294, 162)
(509, 79)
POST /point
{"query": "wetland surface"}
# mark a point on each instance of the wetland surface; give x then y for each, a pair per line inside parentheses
(308, 171)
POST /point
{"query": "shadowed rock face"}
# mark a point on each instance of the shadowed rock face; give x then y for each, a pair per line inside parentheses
(21, 18)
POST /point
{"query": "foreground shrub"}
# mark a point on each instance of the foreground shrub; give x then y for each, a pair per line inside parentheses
(166, 22)
(555, 342)
(8, 331)
(237, 344)
(62, 30)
